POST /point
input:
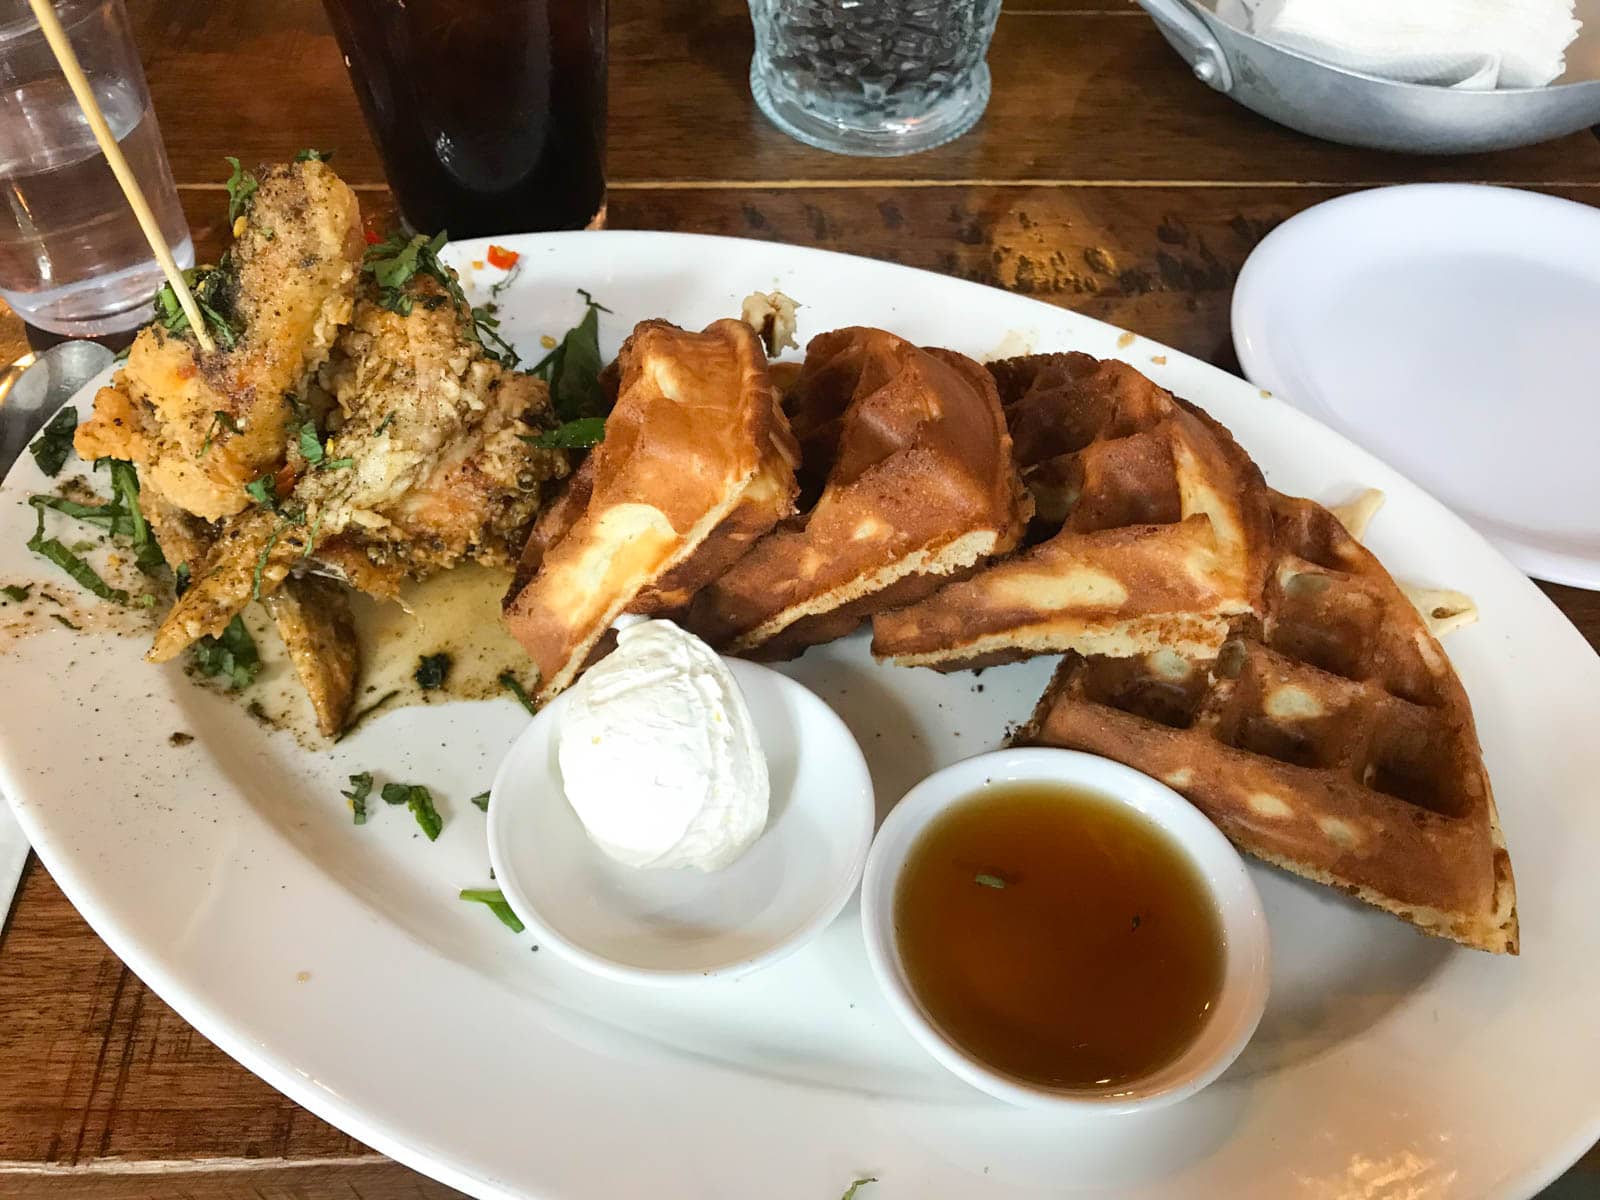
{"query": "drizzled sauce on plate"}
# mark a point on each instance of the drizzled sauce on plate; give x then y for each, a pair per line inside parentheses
(1058, 936)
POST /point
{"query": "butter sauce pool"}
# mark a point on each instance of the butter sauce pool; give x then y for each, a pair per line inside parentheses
(1058, 936)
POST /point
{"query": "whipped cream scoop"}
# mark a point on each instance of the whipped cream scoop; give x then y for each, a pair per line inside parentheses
(659, 756)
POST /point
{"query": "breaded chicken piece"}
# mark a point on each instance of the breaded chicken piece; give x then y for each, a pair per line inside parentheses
(439, 472)
(289, 285)
(314, 620)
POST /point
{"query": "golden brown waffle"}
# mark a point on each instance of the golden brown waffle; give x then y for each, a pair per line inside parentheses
(905, 454)
(1329, 736)
(697, 461)
(1153, 523)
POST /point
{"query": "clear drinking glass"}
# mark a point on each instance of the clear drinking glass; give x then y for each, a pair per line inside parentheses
(877, 77)
(72, 258)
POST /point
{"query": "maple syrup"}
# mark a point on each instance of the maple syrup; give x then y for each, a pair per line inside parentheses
(1058, 936)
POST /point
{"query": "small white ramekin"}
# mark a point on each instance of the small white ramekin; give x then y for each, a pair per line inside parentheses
(1244, 926)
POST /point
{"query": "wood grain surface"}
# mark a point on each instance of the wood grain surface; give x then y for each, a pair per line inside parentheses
(1103, 178)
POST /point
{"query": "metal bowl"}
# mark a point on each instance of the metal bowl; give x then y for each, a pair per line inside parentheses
(1363, 110)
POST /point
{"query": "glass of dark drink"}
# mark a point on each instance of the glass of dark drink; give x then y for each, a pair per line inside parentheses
(490, 114)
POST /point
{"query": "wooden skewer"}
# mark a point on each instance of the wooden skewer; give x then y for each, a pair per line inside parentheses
(50, 26)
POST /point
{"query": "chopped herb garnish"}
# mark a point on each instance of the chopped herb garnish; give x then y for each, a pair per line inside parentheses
(850, 1192)
(206, 284)
(82, 573)
(310, 155)
(263, 491)
(383, 424)
(241, 189)
(394, 263)
(363, 714)
(53, 446)
(360, 789)
(180, 578)
(495, 900)
(572, 369)
(578, 434)
(64, 621)
(125, 486)
(337, 464)
(121, 356)
(219, 421)
(17, 591)
(482, 801)
(232, 654)
(420, 801)
(109, 516)
(509, 681)
(431, 671)
(989, 881)
(310, 444)
(506, 281)
(289, 521)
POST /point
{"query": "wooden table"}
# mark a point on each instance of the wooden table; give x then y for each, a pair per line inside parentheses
(1103, 178)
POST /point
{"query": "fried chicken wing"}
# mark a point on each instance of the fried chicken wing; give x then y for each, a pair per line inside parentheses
(200, 426)
(313, 619)
(427, 467)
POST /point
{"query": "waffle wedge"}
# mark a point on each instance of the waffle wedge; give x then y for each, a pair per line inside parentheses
(907, 481)
(1152, 525)
(1329, 736)
(697, 461)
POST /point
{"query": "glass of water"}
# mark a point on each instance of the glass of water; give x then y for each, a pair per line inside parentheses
(72, 258)
(878, 77)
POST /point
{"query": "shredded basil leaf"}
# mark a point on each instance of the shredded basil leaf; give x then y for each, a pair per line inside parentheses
(989, 881)
(420, 801)
(310, 444)
(207, 285)
(311, 155)
(578, 434)
(360, 789)
(232, 654)
(850, 1192)
(17, 591)
(495, 900)
(572, 369)
(509, 681)
(53, 446)
(394, 263)
(482, 801)
(125, 486)
(219, 420)
(432, 670)
(264, 491)
(241, 190)
(81, 572)
(180, 578)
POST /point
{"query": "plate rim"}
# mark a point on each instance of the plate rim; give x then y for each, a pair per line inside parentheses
(448, 1166)
(1278, 248)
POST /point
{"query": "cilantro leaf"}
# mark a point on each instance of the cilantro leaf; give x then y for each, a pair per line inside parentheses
(232, 653)
(420, 801)
(53, 446)
(494, 899)
(577, 434)
(360, 789)
(241, 190)
(432, 670)
(81, 572)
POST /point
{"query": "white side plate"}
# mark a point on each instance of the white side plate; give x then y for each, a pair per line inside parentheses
(1454, 331)
(221, 871)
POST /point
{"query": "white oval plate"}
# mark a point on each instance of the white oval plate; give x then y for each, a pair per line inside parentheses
(1386, 1062)
(684, 926)
(1454, 331)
